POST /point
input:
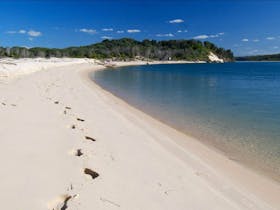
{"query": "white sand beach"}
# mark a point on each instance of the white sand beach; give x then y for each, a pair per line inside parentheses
(68, 144)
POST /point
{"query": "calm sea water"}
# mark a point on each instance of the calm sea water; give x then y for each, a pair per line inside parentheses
(234, 107)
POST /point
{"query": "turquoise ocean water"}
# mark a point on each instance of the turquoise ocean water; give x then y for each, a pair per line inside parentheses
(234, 107)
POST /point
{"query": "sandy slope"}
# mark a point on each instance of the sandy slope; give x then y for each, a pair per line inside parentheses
(141, 163)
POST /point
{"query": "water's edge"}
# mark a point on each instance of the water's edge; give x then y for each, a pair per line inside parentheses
(224, 149)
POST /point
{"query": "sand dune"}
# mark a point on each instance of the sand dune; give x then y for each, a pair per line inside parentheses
(68, 144)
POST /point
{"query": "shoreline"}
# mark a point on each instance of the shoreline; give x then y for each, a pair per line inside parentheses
(239, 158)
(140, 162)
(231, 168)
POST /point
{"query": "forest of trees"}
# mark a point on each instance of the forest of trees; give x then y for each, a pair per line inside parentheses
(125, 49)
(273, 57)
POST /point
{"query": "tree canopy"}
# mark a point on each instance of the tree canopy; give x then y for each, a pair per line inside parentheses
(126, 48)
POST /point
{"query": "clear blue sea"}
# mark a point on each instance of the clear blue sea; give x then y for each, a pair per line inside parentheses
(234, 107)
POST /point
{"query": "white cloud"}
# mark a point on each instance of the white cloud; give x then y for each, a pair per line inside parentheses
(165, 35)
(245, 40)
(204, 36)
(217, 35)
(133, 31)
(120, 32)
(275, 47)
(30, 33)
(214, 36)
(256, 40)
(182, 31)
(176, 21)
(88, 31)
(270, 38)
(106, 37)
(11, 32)
(34, 33)
(22, 31)
(107, 29)
(201, 37)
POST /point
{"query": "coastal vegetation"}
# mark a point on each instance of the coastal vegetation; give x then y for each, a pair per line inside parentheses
(126, 49)
(272, 57)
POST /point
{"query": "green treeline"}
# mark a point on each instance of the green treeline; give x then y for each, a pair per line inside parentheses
(273, 57)
(125, 49)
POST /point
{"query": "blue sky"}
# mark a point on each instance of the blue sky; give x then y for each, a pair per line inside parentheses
(245, 26)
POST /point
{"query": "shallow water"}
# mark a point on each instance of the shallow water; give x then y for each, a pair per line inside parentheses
(234, 107)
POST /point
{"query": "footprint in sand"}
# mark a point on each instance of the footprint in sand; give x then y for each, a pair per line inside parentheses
(76, 152)
(91, 173)
(89, 138)
(4, 104)
(60, 203)
(66, 108)
(79, 119)
(79, 152)
(73, 126)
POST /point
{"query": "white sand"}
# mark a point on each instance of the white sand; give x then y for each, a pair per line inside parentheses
(11, 68)
(142, 164)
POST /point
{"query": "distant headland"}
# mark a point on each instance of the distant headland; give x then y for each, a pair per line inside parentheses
(270, 57)
(128, 49)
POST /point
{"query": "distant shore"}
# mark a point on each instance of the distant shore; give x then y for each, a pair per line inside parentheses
(76, 144)
(11, 68)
